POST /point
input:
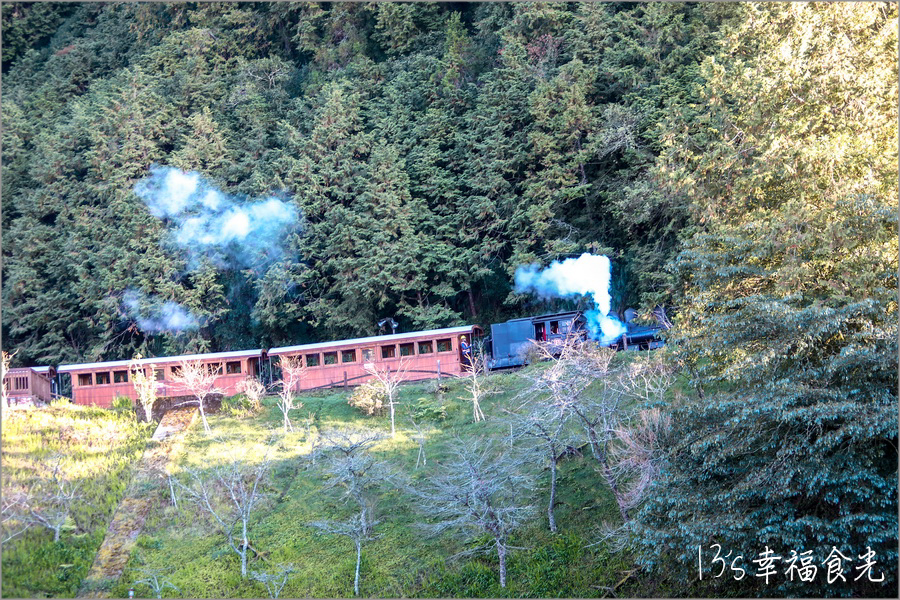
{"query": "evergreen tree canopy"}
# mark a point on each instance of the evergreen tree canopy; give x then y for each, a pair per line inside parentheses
(789, 321)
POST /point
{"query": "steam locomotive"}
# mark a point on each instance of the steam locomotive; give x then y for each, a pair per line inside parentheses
(509, 341)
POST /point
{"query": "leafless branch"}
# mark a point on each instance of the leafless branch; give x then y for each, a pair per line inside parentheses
(229, 494)
(480, 492)
(198, 380)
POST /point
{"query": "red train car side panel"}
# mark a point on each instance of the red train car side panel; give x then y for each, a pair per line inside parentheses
(100, 383)
(420, 355)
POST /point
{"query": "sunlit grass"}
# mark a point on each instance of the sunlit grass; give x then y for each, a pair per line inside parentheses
(99, 448)
(403, 561)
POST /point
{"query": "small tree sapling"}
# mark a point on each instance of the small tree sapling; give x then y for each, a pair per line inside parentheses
(292, 372)
(348, 466)
(274, 580)
(480, 492)
(230, 494)
(198, 380)
(156, 581)
(144, 387)
(388, 382)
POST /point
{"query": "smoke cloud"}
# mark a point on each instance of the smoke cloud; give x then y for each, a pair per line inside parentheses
(588, 275)
(155, 316)
(232, 232)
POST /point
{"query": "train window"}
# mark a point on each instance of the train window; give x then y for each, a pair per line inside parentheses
(388, 351)
(233, 368)
(176, 371)
(312, 360)
(331, 358)
(213, 368)
(85, 379)
(120, 376)
(20, 383)
(348, 356)
(565, 327)
(554, 327)
(407, 349)
(103, 378)
(426, 348)
(368, 355)
(160, 374)
(444, 345)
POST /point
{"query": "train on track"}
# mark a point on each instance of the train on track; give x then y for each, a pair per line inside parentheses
(418, 355)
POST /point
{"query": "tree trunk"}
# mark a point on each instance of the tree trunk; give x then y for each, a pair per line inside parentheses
(203, 417)
(56, 534)
(358, 559)
(244, 550)
(172, 492)
(472, 303)
(552, 495)
(391, 404)
(501, 552)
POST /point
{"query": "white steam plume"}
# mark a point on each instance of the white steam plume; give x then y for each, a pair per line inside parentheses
(155, 316)
(233, 232)
(587, 275)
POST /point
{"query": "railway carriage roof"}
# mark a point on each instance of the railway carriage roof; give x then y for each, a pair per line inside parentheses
(160, 360)
(375, 339)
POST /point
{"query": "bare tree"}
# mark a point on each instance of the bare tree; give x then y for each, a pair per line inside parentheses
(579, 381)
(49, 501)
(13, 507)
(388, 382)
(230, 494)
(638, 451)
(647, 379)
(575, 366)
(274, 580)
(254, 390)
(350, 467)
(419, 437)
(292, 372)
(156, 581)
(144, 387)
(475, 370)
(481, 493)
(548, 434)
(198, 380)
(358, 528)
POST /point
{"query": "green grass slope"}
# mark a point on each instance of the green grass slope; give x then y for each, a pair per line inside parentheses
(100, 447)
(403, 561)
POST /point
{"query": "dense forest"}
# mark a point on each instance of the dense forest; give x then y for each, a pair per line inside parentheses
(736, 162)
(430, 148)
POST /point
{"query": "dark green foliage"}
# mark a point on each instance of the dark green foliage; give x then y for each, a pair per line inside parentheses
(790, 317)
(431, 147)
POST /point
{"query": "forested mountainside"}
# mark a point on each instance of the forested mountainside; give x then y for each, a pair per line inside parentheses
(737, 162)
(430, 148)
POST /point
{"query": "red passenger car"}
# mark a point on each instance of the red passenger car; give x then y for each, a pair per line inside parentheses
(100, 383)
(29, 384)
(420, 355)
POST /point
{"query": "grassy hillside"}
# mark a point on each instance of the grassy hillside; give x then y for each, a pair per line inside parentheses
(403, 561)
(99, 448)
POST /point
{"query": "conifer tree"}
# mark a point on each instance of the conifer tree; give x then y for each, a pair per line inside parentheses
(790, 316)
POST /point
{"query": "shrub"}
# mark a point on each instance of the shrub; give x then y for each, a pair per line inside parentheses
(237, 406)
(368, 398)
(122, 404)
(254, 390)
(426, 410)
(437, 387)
